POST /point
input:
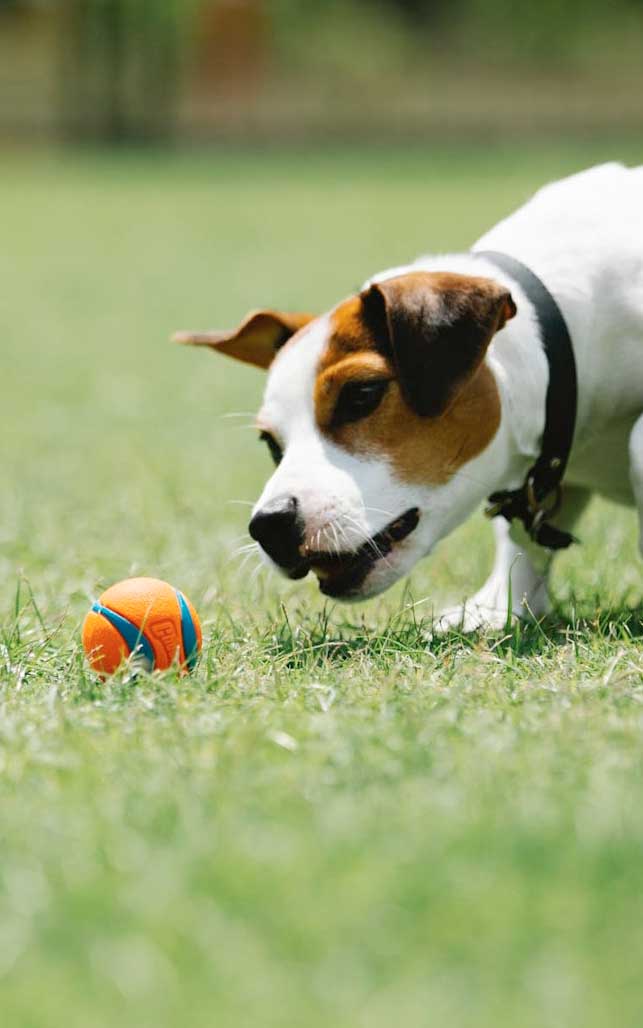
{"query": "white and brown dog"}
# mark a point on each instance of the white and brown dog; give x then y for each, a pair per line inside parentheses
(391, 418)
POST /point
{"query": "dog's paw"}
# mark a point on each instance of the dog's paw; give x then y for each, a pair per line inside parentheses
(489, 610)
(470, 617)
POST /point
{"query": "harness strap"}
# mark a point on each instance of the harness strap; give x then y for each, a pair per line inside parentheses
(539, 498)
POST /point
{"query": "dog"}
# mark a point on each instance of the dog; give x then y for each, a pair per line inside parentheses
(391, 418)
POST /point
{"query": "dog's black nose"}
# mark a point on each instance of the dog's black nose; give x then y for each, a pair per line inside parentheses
(278, 529)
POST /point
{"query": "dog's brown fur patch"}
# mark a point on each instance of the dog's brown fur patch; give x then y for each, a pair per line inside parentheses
(420, 449)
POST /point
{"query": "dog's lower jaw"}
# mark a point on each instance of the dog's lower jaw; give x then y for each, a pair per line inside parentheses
(377, 579)
(343, 576)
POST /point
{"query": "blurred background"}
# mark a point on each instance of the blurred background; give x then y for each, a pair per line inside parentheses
(185, 70)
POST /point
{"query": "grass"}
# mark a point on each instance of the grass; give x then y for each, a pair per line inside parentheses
(332, 822)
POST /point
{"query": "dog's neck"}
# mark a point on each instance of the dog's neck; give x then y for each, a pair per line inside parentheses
(519, 365)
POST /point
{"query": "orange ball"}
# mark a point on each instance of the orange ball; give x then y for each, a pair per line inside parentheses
(145, 617)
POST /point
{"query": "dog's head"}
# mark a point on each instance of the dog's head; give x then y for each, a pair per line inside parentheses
(378, 417)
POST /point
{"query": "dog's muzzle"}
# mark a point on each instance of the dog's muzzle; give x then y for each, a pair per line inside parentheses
(280, 531)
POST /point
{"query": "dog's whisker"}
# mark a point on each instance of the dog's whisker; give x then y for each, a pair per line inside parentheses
(378, 553)
(380, 510)
(243, 503)
(343, 535)
(246, 558)
(335, 538)
(369, 542)
(246, 548)
(358, 528)
(243, 564)
(342, 542)
(238, 539)
(256, 572)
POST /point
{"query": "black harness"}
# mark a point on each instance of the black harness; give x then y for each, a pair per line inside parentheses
(539, 498)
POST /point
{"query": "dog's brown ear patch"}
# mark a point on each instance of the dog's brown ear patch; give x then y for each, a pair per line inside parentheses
(436, 327)
(257, 339)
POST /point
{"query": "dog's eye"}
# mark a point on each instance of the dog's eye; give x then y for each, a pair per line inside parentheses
(276, 451)
(358, 399)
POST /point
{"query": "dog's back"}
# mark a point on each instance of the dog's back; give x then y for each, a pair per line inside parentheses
(583, 236)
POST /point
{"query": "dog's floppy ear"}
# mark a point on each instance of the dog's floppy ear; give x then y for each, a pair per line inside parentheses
(255, 341)
(435, 327)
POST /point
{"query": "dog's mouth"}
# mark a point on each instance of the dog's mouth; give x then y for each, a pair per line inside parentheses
(342, 574)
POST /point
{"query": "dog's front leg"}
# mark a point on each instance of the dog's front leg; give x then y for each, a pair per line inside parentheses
(517, 585)
(513, 571)
(636, 472)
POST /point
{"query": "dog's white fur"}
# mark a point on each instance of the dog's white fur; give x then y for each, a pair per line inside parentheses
(583, 237)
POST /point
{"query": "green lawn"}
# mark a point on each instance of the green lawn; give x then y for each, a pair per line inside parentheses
(330, 824)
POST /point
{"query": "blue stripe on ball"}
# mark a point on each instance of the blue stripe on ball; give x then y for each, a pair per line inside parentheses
(132, 635)
(188, 631)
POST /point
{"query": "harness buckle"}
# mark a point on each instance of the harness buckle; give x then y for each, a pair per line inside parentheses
(492, 510)
(541, 510)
